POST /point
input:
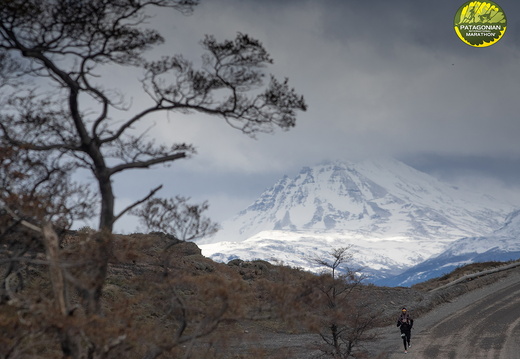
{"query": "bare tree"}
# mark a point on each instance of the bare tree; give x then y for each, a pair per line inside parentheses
(176, 217)
(61, 46)
(57, 118)
(342, 315)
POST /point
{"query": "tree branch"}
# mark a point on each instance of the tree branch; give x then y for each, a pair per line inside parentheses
(23, 222)
(147, 164)
(150, 195)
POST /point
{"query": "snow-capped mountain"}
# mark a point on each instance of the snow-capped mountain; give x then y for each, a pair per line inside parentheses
(502, 245)
(391, 215)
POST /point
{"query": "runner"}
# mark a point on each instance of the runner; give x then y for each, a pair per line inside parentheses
(405, 323)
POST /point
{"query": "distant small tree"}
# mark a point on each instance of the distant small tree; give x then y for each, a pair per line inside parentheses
(340, 313)
(176, 217)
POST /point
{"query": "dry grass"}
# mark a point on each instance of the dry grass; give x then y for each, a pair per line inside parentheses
(154, 283)
(459, 272)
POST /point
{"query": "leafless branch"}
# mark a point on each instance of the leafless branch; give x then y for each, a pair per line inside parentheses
(135, 204)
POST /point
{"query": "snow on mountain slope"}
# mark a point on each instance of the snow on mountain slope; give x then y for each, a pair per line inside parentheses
(501, 245)
(374, 257)
(392, 215)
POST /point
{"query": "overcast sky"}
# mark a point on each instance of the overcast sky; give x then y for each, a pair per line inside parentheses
(380, 78)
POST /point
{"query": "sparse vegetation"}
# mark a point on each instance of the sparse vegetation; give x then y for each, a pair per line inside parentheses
(58, 118)
(457, 273)
(159, 303)
(343, 313)
(90, 294)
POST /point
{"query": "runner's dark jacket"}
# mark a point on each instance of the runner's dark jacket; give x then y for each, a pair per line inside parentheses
(405, 322)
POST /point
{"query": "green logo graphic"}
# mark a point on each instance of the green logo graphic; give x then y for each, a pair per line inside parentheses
(480, 23)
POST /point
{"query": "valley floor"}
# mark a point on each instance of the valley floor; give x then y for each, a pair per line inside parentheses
(482, 323)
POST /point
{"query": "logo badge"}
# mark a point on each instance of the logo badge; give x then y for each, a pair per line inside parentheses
(480, 23)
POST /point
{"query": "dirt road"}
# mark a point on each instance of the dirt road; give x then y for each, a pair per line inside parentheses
(481, 324)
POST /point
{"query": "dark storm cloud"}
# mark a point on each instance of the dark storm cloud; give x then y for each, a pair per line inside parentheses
(380, 78)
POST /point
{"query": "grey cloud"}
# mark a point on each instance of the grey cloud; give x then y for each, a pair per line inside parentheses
(380, 77)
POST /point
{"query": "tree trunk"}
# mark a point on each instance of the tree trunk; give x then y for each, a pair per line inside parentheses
(335, 340)
(55, 271)
(106, 216)
(68, 339)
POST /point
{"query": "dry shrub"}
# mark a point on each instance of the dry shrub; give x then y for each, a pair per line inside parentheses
(154, 302)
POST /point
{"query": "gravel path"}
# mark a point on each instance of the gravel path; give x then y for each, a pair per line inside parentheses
(453, 330)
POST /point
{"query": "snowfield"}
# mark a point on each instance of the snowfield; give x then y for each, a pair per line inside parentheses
(392, 217)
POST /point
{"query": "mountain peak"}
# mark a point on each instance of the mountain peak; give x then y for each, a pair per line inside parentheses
(373, 201)
(381, 197)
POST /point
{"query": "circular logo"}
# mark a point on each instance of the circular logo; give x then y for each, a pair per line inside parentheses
(480, 23)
